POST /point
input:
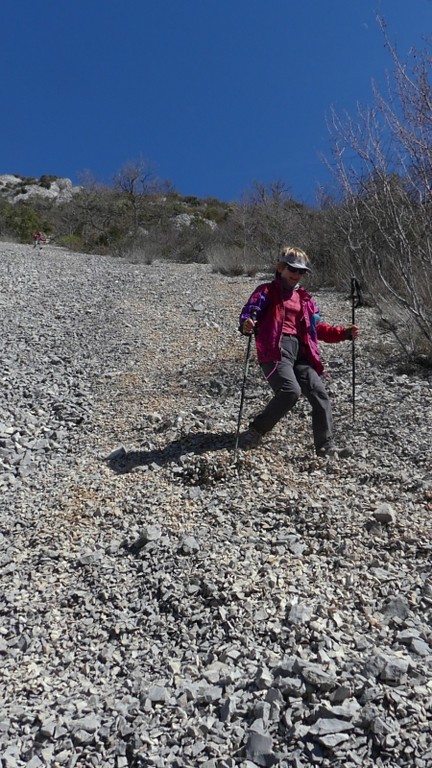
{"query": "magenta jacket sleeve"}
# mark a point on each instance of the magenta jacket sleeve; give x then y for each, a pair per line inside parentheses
(257, 301)
(331, 333)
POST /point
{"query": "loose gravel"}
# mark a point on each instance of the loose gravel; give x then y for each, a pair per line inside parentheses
(166, 606)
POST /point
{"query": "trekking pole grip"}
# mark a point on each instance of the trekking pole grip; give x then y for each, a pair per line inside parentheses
(253, 315)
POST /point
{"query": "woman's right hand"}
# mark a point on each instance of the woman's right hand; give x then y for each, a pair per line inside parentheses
(248, 326)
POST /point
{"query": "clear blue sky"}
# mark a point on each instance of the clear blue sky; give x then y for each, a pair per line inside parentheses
(213, 93)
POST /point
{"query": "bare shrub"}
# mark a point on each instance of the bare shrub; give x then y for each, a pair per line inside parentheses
(144, 253)
(229, 260)
(262, 222)
(383, 163)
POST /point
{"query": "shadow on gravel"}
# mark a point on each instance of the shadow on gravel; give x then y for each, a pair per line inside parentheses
(197, 443)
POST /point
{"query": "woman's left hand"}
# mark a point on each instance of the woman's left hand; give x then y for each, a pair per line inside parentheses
(351, 332)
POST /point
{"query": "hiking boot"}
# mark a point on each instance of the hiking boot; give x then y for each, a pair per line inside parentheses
(331, 452)
(328, 452)
(250, 439)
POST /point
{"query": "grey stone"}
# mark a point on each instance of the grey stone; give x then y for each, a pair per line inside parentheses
(259, 748)
(34, 762)
(189, 545)
(395, 670)
(420, 647)
(340, 694)
(333, 740)
(158, 694)
(263, 678)
(385, 514)
(381, 727)
(11, 756)
(300, 614)
(317, 676)
(152, 532)
(228, 708)
(209, 693)
(374, 666)
(116, 454)
(291, 686)
(330, 725)
(396, 606)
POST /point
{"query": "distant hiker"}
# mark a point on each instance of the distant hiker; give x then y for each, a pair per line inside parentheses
(38, 239)
(288, 327)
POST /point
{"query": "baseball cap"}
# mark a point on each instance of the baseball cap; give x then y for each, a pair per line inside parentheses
(295, 261)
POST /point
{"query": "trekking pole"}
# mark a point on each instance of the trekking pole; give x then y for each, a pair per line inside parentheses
(245, 375)
(356, 301)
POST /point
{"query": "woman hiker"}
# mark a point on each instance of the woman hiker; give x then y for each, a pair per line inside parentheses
(288, 327)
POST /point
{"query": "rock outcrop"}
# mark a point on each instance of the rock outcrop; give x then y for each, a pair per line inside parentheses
(16, 188)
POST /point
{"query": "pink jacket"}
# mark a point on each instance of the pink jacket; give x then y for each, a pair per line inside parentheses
(267, 301)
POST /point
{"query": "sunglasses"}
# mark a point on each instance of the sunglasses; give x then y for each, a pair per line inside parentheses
(295, 270)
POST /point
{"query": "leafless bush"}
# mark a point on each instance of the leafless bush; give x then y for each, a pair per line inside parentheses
(229, 260)
(263, 221)
(144, 253)
(383, 162)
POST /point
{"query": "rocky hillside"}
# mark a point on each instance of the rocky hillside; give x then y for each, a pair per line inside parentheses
(164, 605)
(15, 188)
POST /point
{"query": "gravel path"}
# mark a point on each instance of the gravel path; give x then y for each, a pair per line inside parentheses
(162, 606)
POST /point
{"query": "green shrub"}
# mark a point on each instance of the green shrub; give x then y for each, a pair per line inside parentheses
(23, 222)
(192, 200)
(26, 179)
(46, 181)
(216, 214)
(71, 242)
